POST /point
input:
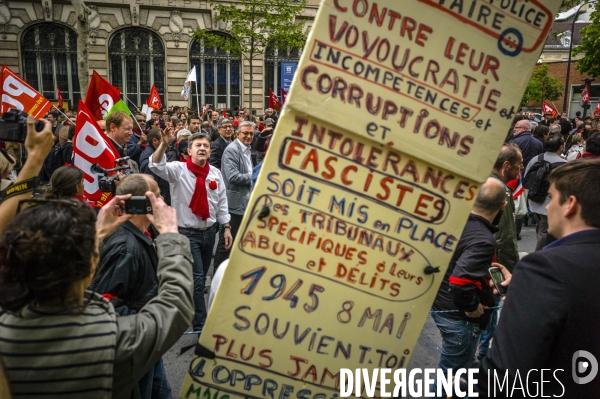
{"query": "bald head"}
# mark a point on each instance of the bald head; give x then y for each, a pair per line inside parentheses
(522, 126)
(491, 197)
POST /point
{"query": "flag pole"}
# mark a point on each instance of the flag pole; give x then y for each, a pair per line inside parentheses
(197, 98)
(56, 108)
(132, 103)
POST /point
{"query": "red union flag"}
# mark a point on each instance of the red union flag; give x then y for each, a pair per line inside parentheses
(597, 110)
(90, 146)
(585, 95)
(15, 93)
(549, 109)
(154, 100)
(283, 95)
(274, 101)
(59, 97)
(102, 97)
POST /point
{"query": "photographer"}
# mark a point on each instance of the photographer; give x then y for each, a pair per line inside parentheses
(126, 274)
(38, 144)
(51, 319)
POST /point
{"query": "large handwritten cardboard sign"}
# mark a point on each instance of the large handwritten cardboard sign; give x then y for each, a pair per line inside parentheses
(394, 119)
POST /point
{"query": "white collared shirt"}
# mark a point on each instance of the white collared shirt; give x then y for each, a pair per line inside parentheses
(182, 185)
(247, 154)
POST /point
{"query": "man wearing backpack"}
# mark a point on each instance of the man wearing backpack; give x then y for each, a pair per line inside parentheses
(536, 181)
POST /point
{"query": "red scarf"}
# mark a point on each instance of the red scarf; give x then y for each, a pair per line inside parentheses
(199, 202)
(590, 155)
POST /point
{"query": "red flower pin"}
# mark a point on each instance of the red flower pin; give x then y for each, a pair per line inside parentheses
(212, 185)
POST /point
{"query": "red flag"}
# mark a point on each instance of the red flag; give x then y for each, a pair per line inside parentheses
(101, 96)
(154, 100)
(585, 95)
(549, 109)
(16, 93)
(597, 110)
(274, 101)
(283, 96)
(59, 95)
(90, 146)
(224, 112)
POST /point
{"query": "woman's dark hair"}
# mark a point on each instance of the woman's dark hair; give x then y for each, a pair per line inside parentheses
(71, 133)
(64, 182)
(46, 248)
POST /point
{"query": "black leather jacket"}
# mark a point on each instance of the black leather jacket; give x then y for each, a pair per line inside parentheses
(126, 274)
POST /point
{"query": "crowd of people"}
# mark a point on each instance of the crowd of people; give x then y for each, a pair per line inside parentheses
(559, 191)
(99, 295)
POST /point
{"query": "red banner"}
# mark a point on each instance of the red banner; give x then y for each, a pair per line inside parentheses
(59, 97)
(585, 95)
(101, 96)
(154, 100)
(283, 96)
(90, 146)
(274, 101)
(549, 109)
(16, 93)
(597, 110)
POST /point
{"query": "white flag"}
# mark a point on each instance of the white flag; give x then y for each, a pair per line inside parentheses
(191, 76)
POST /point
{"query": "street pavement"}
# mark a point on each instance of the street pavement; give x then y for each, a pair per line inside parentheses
(425, 355)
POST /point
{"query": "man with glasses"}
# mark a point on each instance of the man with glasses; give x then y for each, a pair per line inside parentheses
(529, 145)
(220, 144)
(236, 167)
(270, 113)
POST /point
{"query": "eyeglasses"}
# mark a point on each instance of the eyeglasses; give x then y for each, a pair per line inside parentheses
(226, 127)
(247, 133)
(26, 203)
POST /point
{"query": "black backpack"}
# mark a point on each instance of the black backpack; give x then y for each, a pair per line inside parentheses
(536, 179)
(54, 160)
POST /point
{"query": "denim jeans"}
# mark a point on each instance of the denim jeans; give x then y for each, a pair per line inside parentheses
(201, 243)
(154, 384)
(459, 343)
(487, 334)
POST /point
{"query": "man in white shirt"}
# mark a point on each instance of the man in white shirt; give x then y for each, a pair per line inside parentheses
(198, 195)
(236, 166)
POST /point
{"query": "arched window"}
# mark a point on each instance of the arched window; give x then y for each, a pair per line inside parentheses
(137, 61)
(273, 59)
(218, 76)
(50, 59)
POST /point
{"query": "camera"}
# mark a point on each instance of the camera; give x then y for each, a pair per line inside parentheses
(107, 184)
(138, 205)
(13, 126)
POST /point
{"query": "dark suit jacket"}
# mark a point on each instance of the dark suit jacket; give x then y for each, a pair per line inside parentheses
(552, 311)
(216, 152)
(529, 145)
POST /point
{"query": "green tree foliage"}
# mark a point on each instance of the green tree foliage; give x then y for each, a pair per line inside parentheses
(590, 46)
(542, 87)
(254, 25)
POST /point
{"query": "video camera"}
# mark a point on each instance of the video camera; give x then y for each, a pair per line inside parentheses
(13, 126)
(107, 184)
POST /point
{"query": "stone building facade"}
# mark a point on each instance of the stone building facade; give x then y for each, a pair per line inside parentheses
(134, 44)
